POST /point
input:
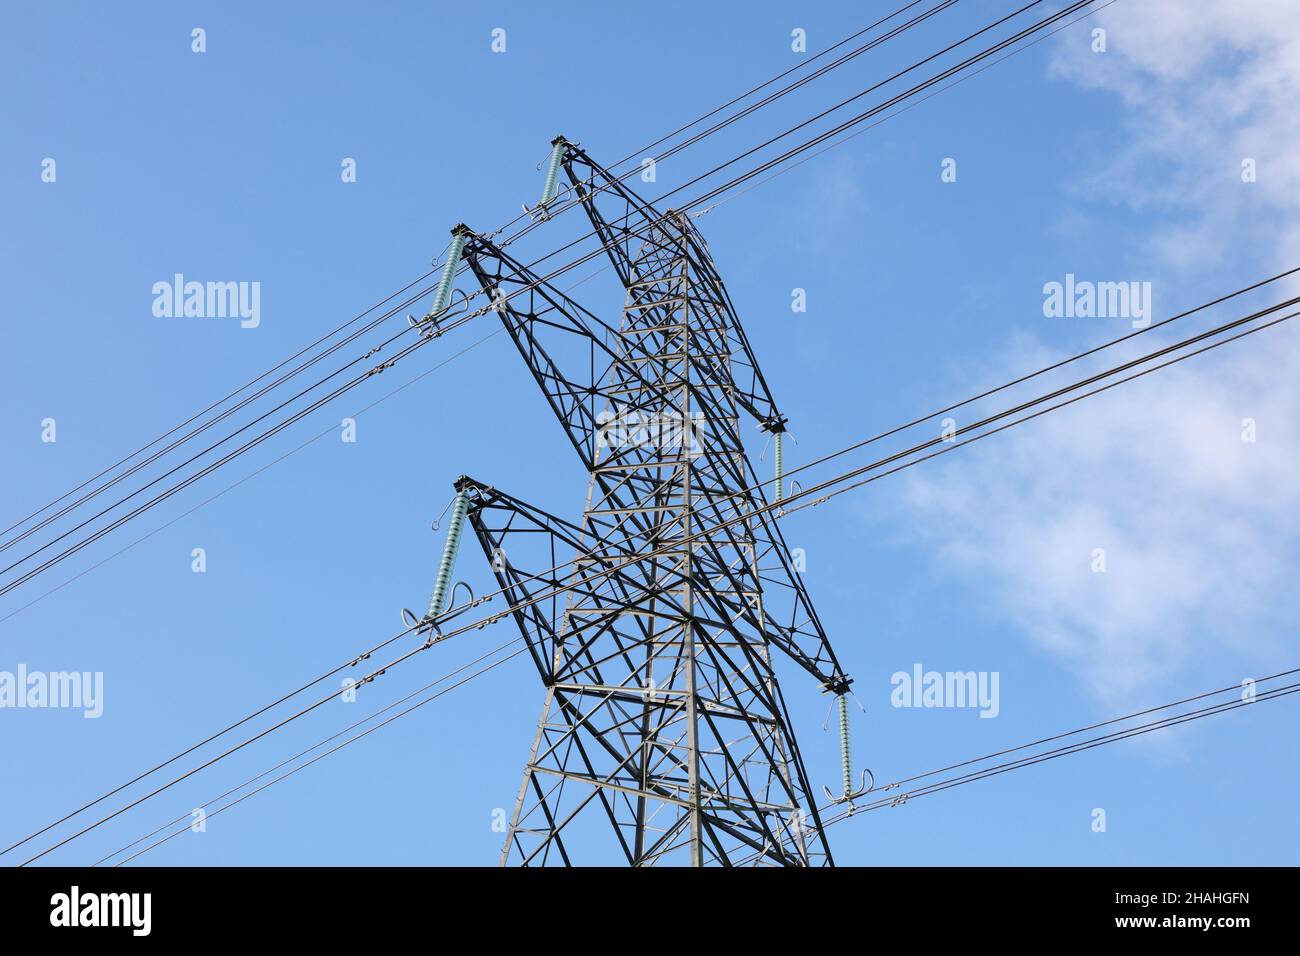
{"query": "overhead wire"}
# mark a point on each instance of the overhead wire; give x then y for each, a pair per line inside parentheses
(589, 578)
(1203, 695)
(334, 750)
(4, 545)
(892, 796)
(1065, 751)
(211, 406)
(459, 321)
(1077, 398)
(944, 5)
(1049, 409)
(559, 271)
(320, 743)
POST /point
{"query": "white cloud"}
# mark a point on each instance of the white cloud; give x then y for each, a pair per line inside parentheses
(1204, 86)
(1201, 530)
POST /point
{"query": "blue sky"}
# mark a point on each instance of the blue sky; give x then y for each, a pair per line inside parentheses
(225, 165)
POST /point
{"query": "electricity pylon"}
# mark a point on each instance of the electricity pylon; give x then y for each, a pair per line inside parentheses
(664, 737)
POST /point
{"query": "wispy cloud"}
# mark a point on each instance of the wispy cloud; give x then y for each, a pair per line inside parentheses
(1205, 87)
(1201, 530)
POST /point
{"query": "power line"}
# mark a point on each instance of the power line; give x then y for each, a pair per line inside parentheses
(901, 797)
(783, 506)
(1101, 740)
(293, 451)
(466, 318)
(210, 407)
(331, 429)
(380, 368)
(353, 726)
(893, 101)
(418, 627)
(559, 271)
(1052, 408)
(780, 76)
(910, 106)
(893, 800)
(210, 738)
(1095, 726)
(614, 566)
(1052, 367)
(204, 427)
(347, 386)
(377, 672)
(551, 214)
(290, 773)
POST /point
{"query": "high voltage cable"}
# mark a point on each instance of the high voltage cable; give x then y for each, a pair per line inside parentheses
(1065, 751)
(903, 797)
(565, 206)
(861, 117)
(783, 506)
(209, 468)
(855, 446)
(910, 106)
(353, 726)
(853, 121)
(453, 324)
(377, 672)
(215, 404)
(887, 800)
(390, 363)
(798, 84)
(1044, 411)
(1044, 370)
(290, 773)
(787, 508)
(253, 474)
(587, 580)
(561, 270)
(319, 435)
(1079, 730)
(198, 431)
(750, 92)
(552, 214)
(1025, 32)
(210, 738)
(617, 179)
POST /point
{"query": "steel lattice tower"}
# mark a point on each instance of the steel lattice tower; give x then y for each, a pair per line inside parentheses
(663, 728)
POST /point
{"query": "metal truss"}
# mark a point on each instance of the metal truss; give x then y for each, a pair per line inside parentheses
(663, 724)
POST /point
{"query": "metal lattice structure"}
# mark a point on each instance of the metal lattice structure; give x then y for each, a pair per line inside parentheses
(663, 731)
